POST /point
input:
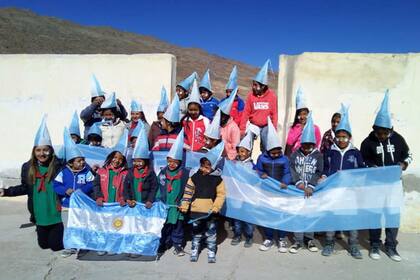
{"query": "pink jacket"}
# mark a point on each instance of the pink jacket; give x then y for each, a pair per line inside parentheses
(295, 133)
(230, 136)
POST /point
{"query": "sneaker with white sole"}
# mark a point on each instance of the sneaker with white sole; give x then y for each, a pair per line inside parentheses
(211, 256)
(312, 246)
(295, 248)
(393, 254)
(178, 251)
(267, 244)
(282, 246)
(68, 252)
(374, 253)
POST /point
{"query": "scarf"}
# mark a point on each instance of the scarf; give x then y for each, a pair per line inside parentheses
(171, 179)
(41, 187)
(139, 175)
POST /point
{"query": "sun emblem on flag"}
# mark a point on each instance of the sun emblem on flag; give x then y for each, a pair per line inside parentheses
(117, 223)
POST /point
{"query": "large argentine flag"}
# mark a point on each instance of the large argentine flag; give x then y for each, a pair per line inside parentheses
(113, 228)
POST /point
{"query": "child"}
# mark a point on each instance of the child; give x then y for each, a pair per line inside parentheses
(272, 163)
(76, 174)
(384, 147)
(329, 135)
(75, 130)
(140, 184)
(229, 129)
(183, 91)
(36, 182)
(295, 132)
(341, 156)
(208, 102)
(172, 180)
(212, 134)
(108, 185)
(244, 150)
(171, 127)
(306, 165)
(194, 123)
(137, 115)
(238, 104)
(92, 113)
(204, 195)
(111, 126)
(260, 104)
(94, 136)
(156, 127)
(132, 143)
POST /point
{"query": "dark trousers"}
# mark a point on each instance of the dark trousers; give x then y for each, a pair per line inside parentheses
(240, 227)
(269, 233)
(50, 237)
(204, 229)
(172, 234)
(390, 237)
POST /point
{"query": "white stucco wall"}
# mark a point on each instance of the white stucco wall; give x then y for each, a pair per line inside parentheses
(31, 85)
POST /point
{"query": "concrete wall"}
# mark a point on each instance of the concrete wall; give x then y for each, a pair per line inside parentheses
(359, 80)
(31, 85)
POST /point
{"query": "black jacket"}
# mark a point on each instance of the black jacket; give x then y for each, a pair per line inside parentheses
(149, 188)
(392, 151)
(26, 187)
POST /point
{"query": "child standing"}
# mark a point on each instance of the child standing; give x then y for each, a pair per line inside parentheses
(306, 165)
(212, 134)
(183, 91)
(208, 102)
(260, 104)
(272, 163)
(204, 195)
(329, 135)
(94, 136)
(75, 130)
(238, 104)
(156, 127)
(137, 116)
(244, 149)
(36, 182)
(194, 123)
(342, 156)
(385, 147)
(229, 129)
(172, 180)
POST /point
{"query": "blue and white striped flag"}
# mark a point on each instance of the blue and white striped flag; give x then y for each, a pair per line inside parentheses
(113, 228)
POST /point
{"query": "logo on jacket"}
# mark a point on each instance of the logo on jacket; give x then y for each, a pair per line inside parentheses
(81, 179)
(261, 105)
(351, 159)
(117, 223)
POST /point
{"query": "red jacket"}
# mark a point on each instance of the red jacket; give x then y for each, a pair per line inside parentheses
(101, 191)
(194, 132)
(257, 108)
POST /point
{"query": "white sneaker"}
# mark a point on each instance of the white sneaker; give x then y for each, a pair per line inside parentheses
(312, 246)
(374, 254)
(68, 252)
(282, 246)
(267, 244)
(295, 248)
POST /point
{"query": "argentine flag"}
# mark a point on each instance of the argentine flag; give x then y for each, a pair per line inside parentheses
(113, 228)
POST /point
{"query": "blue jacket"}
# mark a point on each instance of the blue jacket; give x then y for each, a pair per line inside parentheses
(209, 107)
(335, 159)
(278, 169)
(67, 179)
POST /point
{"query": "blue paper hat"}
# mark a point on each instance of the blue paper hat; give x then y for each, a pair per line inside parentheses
(110, 101)
(177, 149)
(300, 99)
(226, 105)
(141, 149)
(164, 102)
(273, 140)
(95, 129)
(136, 106)
(42, 136)
(383, 117)
(233, 79)
(214, 154)
(136, 131)
(344, 121)
(95, 87)
(121, 146)
(187, 82)
(71, 150)
(247, 142)
(213, 129)
(308, 134)
(172, 112)
(74, 125)
(205, 81)
(262, 75)
(195, 94)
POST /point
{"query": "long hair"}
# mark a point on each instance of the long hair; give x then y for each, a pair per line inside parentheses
(33, 166)
(296, 120)
(143, 117)
(111, 156)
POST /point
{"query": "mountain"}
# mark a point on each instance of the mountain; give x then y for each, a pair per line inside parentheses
(22, 31)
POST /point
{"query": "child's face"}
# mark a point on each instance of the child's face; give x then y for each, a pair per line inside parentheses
(43, 153)
(205, 94)
(307, 148)
(135, 116)
(342, 139)
(78, 163)
(382, 133)
(117, 160)
(108, 115)
(303, 116)
(228, 92)
(194, 110)
(133, 141)
(139, 163)
(173, 164)
(243, 153)
(182, 93)
(205, 167)
(275, 153)
(95, 140)
(210, 142)
(257, 88)
(75, 138)
(334, 123)
(159, 115)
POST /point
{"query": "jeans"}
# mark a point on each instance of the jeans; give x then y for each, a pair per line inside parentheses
(269, 233)
(240, 227)
(301, 236)
(206, 228)
(390, 239)
(353, 237)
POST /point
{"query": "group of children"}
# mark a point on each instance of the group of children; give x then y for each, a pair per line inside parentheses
(196, 121)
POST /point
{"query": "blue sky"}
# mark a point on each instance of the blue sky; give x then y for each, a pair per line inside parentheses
(251, 31)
